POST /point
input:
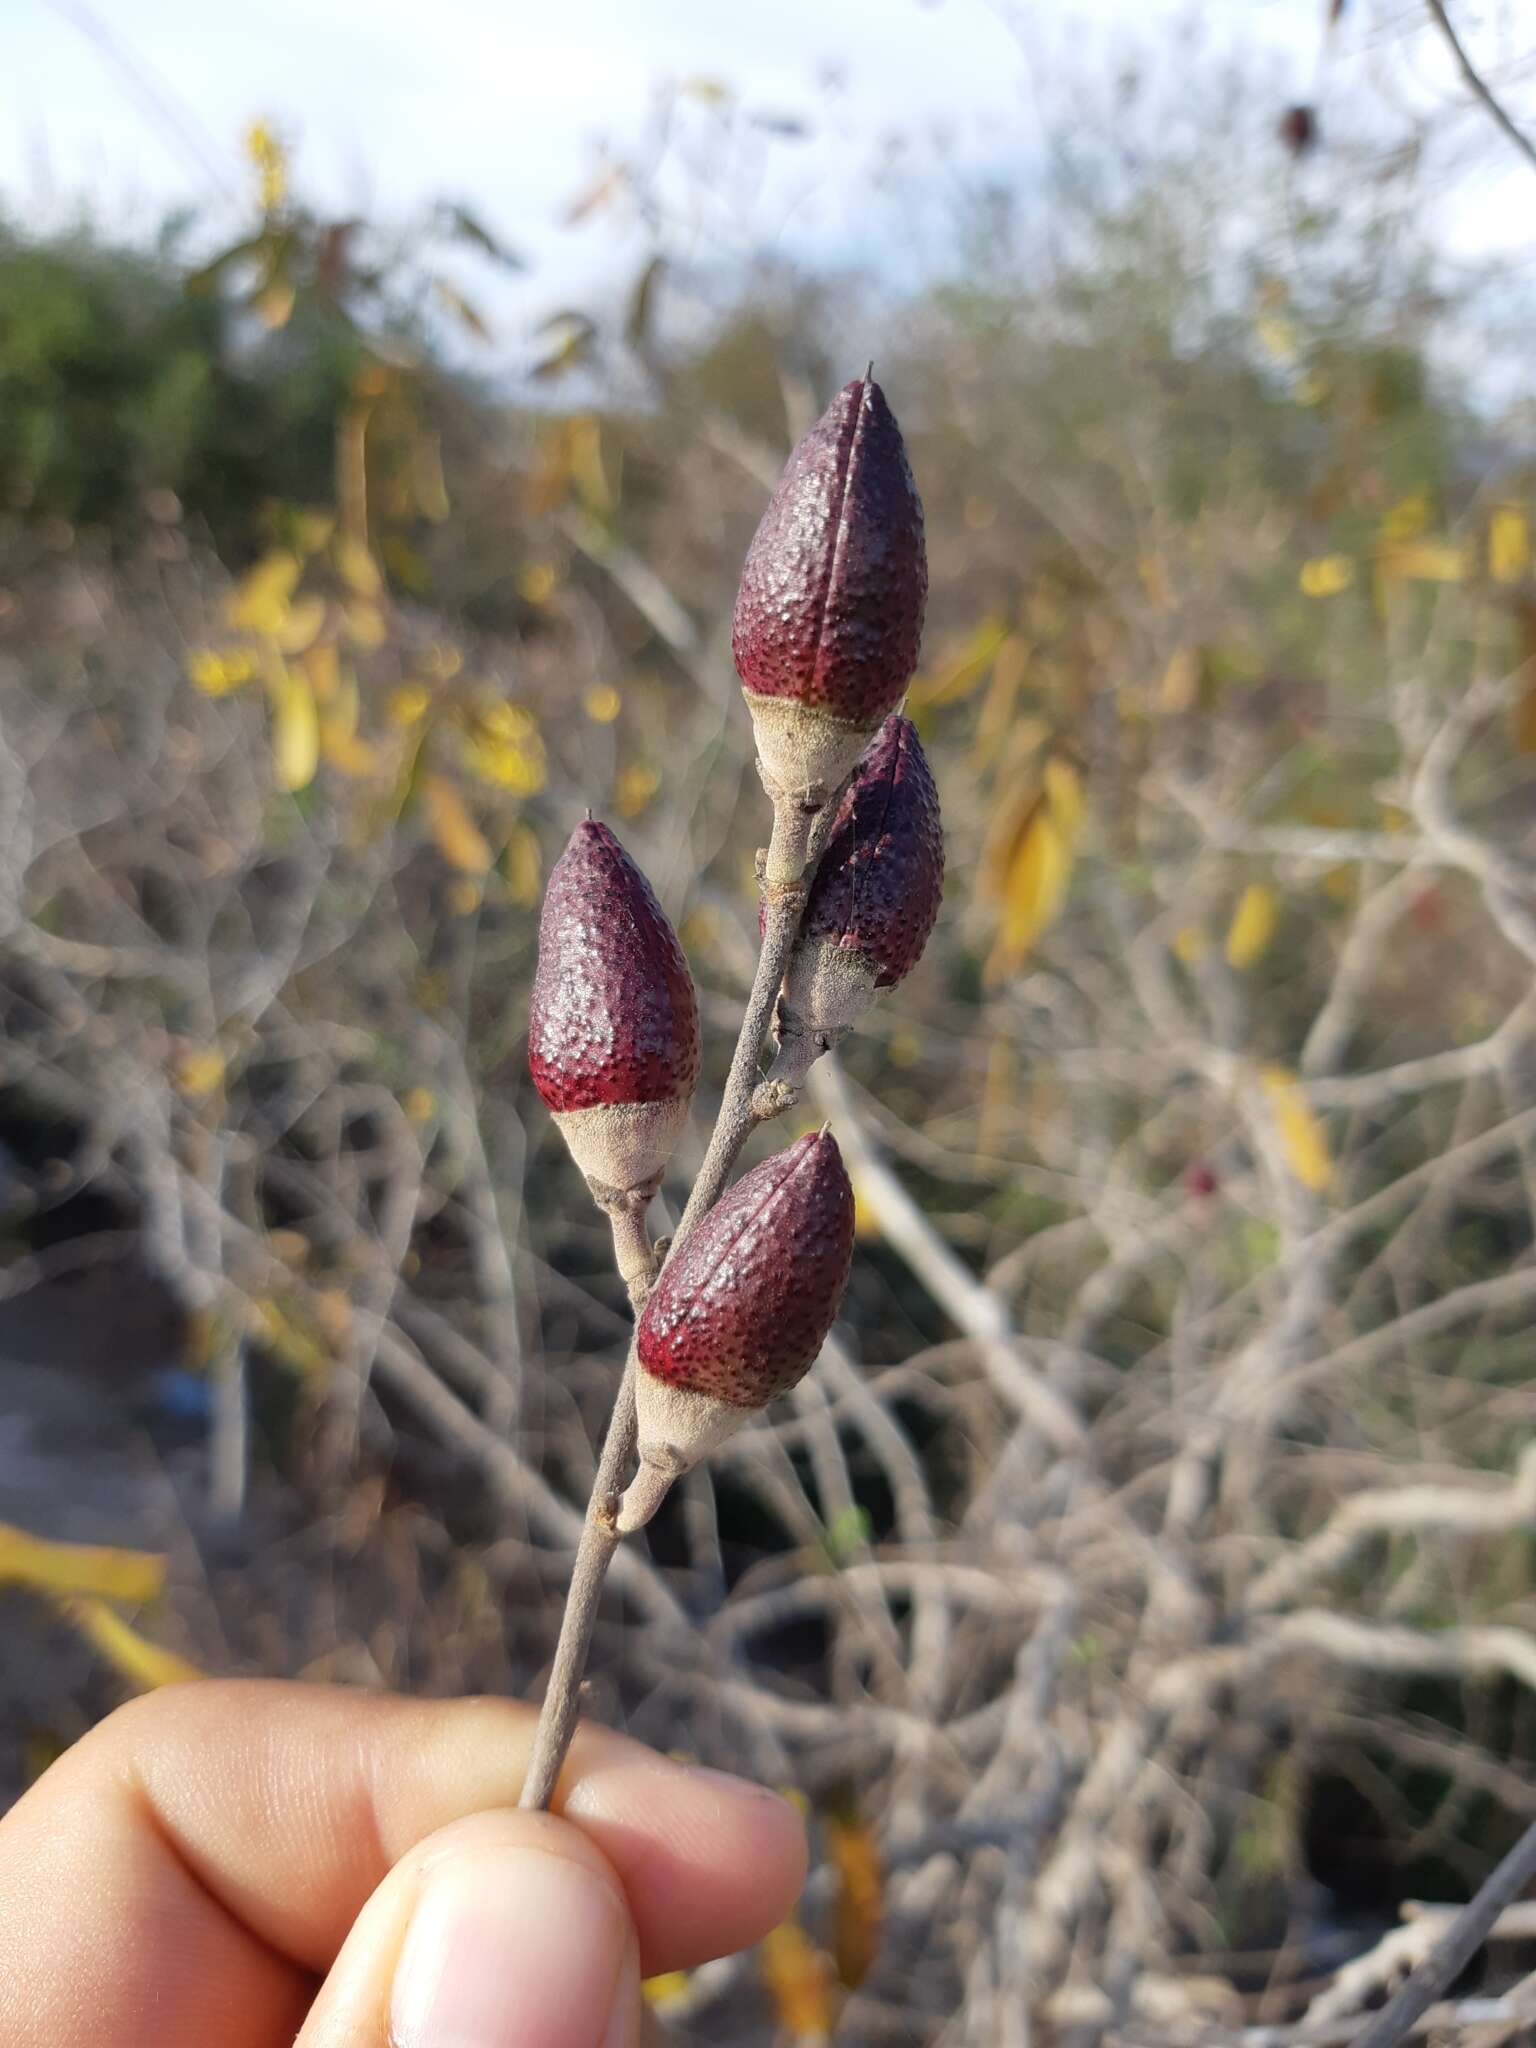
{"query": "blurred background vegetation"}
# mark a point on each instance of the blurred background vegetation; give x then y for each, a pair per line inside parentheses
(1195, 1166)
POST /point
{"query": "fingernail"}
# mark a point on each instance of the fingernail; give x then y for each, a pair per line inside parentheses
(514, 1948)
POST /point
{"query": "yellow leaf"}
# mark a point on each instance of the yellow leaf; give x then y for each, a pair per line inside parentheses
(799, 1983)
(1326, 575)
(1302, 1138)
(217, 671)
(345, 751)
(301, 627)
(1253, 925)
(357, 569)
(1181, 682)
(634, 788)
(1031, 865)
(459, 839)
(1190, 945)
(322, 665)
(288, 1340)
(602, 703)
(312, 529)
(523, 866)
(200, 1073)
(503, 745)
(409, 704)
(295, 727)
(966, 669)
(132, 1656)
(1064, 788)
(132, 1575)
(365, 625)
(536, 582)
(1509, 544)
(1408, 519)
(866, 1222)
(665, 1990)
(259, 602)
(1278, 337)
(855, 1856)
(1426, 561)
(420, 1106)
(274, 303)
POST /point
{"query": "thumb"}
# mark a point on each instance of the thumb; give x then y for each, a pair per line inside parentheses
(503, 1930)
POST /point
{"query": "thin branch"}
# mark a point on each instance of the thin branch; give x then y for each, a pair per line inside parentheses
(1479, 86)
(1450, 1956)
(744, 1106)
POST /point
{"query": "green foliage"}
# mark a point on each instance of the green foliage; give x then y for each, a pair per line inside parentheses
(115, 382)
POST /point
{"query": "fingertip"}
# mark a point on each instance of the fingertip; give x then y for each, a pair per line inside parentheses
(710, 1862)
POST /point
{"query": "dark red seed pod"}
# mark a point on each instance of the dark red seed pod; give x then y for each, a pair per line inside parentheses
(740, 1311)
(881, 879)
(614, 1027)
(829, 616)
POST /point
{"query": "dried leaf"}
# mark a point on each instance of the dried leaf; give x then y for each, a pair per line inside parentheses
(1303, 1140)
(1253, 925)
(463, 310)
(459, 839)
(855, 1856)
(799, 1983)
(1180, 686)
(1523, 720)
(132, 1656)
(26, 1560)
(642, 303)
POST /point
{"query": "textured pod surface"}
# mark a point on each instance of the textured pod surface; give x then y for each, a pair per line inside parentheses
(614, 1017)
(880, 881)
(742, 1306)
(830, 610)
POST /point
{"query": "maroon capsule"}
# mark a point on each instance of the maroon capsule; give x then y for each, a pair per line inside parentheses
(742, 1307)
(615, 1018)
(880, 881)
(830, 610)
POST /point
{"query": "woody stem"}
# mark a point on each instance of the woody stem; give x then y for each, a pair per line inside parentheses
(799, 825)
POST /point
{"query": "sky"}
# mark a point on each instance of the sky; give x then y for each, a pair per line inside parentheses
(509, 105)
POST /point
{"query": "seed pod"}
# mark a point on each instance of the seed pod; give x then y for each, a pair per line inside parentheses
(875, 895)
(613, 1041)
(830, 611)
(740, 1312)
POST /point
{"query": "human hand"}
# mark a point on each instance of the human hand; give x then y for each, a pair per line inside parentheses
(258, 1865)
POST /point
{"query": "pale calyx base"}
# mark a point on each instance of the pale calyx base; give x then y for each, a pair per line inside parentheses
(623, 1144)
(677, 1428)
(802, 749)
(827, 989)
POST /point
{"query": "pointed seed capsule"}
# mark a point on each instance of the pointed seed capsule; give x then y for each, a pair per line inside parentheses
(613, 1040)
(740, 1311)
(830, 611)
(875, 894)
